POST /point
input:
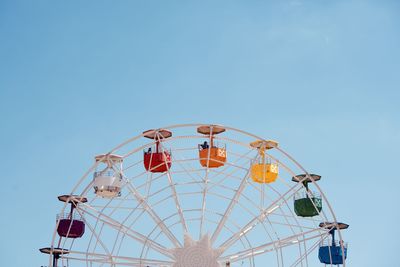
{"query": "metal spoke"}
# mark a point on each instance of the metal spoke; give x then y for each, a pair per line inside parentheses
(204, 193)
(260, 218)
(128, 231)
(98, 240)
(229, 209)
(307, 252)
(288, 241)
(120, 260)
(174, 194)
(153, 215)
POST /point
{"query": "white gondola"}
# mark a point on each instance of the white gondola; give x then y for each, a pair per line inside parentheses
(108, 181)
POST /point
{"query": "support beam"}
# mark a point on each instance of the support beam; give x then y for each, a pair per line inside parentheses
(129, 232)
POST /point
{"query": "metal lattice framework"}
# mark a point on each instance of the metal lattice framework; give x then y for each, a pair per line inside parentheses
(192, 215)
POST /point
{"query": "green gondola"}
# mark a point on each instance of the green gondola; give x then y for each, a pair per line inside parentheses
(307, 204)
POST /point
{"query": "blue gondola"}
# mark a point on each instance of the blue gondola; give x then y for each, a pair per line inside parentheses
(332, 252)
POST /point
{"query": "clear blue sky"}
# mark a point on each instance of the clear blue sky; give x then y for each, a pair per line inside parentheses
(322, 77)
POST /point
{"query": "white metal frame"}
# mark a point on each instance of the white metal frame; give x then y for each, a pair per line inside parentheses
(136, 203)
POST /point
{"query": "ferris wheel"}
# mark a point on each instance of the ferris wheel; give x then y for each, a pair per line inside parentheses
(196, 195)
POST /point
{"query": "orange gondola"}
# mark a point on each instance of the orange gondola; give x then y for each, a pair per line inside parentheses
(211, 155)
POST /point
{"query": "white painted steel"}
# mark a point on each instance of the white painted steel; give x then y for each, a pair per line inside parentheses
(149, 222)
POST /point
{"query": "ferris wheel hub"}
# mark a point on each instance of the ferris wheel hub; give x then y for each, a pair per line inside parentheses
(197, 253)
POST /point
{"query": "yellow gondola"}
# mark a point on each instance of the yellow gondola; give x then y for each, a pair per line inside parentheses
(264, 171)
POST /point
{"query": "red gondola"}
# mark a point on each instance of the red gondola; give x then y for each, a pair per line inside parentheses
(158, 160)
